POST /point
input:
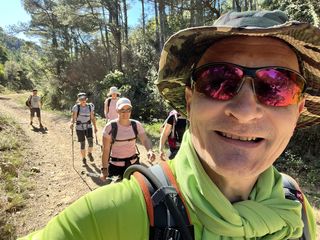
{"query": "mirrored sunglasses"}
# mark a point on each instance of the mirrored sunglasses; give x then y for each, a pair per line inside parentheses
(272, 86)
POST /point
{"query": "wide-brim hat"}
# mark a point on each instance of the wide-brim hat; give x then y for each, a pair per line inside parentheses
(113, 90)
(184, 49)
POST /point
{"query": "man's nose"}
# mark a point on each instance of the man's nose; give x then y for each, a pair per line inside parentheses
(244, 106)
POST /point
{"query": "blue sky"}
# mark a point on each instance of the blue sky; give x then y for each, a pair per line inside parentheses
(12, 12)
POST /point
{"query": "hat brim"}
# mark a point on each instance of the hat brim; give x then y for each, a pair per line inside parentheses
(122, 105)
(185, 48)
(110, 93)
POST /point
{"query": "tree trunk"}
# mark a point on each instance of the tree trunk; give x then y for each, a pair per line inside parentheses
(125, 14)
(157, 26)
(162, 17)
(143, 18)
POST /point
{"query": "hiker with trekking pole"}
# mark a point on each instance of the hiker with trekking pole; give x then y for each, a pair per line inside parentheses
(83, 118)
(119, 142)
(245, 84)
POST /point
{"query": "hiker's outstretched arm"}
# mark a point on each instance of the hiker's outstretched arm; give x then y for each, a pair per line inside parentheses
(73, 119)
(93, 120)
(106, 110)
(106, 147)
(148, 145)
(163, 138)
(116, 211)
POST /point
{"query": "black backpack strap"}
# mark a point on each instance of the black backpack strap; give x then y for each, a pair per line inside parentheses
(108, 103)
(293, 192)
(113, 131)
(167, 213)
(134, 127)
(78, 110)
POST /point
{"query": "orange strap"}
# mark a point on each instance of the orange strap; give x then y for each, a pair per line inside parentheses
(146, 195)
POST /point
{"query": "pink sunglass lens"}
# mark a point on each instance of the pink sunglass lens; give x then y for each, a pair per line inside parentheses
(277, 87)
(219, 82)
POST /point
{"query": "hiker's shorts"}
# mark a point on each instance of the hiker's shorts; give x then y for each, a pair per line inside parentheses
(119, 170)
(34, 111)
(82, 134)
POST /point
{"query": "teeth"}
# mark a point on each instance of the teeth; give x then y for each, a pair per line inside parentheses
(228, 135)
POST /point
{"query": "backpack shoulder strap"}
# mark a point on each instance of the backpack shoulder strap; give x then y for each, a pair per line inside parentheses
(168, 215)
(293, 192)
(78, 111)
(134, 127)
(113, 131)
(109, 101)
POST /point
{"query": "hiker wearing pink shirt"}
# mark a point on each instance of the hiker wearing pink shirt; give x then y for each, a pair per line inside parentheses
(119, 142)
(110, 111)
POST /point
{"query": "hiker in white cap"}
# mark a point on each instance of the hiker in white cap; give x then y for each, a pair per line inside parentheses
(119, 142)
(110, 111)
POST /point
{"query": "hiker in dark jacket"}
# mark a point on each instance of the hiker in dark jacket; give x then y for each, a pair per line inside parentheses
(83, 117)
(172, 133)
(249, 81)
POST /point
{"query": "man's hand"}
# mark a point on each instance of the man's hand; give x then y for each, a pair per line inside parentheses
(71, 125)
(95, 130)
(104, 174)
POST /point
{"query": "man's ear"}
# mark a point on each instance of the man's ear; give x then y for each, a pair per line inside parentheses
(188, 96)
(301, 105)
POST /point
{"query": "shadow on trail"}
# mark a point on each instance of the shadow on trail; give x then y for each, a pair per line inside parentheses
(94, 173)
(4, 98)
(42, 130)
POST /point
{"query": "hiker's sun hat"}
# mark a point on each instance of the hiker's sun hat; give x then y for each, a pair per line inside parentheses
(123, 102)
(184, 49)
(82, 96)
(113, 90)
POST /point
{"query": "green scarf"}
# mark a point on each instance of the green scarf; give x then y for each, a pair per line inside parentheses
(266, 215)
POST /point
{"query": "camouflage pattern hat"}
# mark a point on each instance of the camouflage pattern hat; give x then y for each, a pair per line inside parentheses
(184, 49)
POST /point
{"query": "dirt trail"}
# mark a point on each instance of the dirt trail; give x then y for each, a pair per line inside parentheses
(57, 184)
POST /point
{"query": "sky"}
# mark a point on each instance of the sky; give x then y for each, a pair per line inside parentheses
(12, 12)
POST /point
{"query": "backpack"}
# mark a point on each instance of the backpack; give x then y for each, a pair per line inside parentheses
(78, 106)
(168, 214)
(28, 101)
(114, 131)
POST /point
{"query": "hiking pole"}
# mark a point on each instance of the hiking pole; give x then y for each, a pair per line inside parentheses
(73, 163)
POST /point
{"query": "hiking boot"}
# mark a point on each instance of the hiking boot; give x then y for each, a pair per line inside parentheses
(90, 157)
(84, 161)
(41, 126)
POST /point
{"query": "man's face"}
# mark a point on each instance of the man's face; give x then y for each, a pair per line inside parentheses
(34, 93)
(241, 137)
(124, 112)
(114, 95)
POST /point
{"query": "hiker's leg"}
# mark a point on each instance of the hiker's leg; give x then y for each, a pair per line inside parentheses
(89, 136)
(81, 140)
(116, 170)
(38, 116)
(31, 115)
(173, 153)
(83, 149)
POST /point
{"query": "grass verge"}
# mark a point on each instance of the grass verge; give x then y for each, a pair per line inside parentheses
(13, 184)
